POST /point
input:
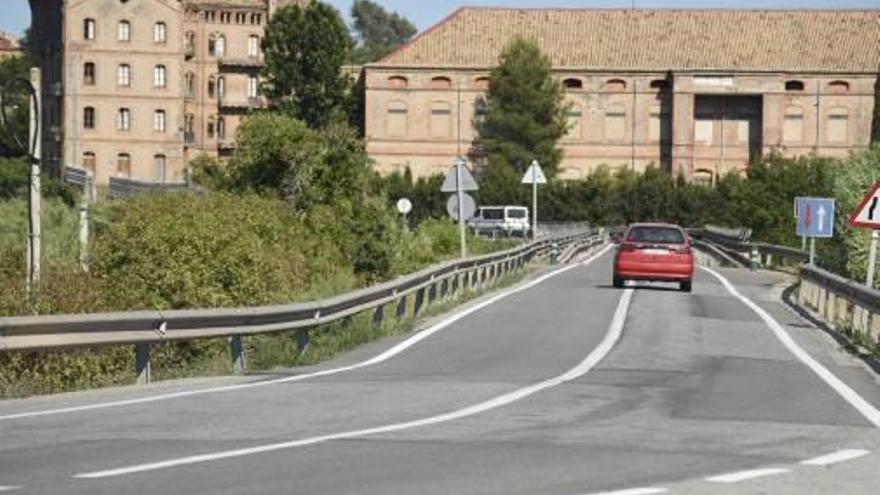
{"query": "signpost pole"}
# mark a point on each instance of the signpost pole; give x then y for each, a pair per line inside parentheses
(812, 251)
(872, 259)
(460, 193)
(534, 207)
(803, 243)
(34, 152)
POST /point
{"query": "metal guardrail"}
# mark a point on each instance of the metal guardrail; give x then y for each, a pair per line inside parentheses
(843, 287)
(741, 251)
(143, 328)
(126, 188)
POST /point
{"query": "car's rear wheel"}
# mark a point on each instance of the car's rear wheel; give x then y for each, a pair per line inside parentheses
(618, 282)
(685, 286)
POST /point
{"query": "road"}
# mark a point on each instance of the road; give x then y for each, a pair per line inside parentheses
(562, 387)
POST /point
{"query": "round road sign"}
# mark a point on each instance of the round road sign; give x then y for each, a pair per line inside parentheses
(467, 203)
(404, 206)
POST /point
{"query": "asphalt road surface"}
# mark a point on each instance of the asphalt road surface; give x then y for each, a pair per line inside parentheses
(565, 386)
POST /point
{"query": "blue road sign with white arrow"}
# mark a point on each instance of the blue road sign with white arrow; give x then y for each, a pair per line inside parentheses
(815, 217)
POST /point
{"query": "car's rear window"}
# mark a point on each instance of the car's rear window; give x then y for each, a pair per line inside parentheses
(516, 213)
(657, 235)
(493, 213)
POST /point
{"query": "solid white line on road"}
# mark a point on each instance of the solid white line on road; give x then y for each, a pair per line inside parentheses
(9, 488)
(840, 456)
(388, 354)
(636, 491)
(871, 413)
(611, 338)
(746, 475)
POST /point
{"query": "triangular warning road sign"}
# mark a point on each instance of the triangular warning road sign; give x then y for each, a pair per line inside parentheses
(867, 214)
(534, 175)
(467, 181)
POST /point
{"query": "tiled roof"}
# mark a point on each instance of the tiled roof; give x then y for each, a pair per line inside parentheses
(655, 39)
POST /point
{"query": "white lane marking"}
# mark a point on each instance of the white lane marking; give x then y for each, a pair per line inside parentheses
(746, 475)
(615, 330)
(388, 354)
(9, 488)
(871, 413)
(839, 456)
(636, 491)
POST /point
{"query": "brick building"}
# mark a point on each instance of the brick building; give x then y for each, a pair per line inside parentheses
(693, 91)
(9, 46)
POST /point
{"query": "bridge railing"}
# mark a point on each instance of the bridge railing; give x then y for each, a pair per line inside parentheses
(143, 328)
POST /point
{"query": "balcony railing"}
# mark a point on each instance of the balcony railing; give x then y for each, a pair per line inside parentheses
(248, 103)
(240, 62)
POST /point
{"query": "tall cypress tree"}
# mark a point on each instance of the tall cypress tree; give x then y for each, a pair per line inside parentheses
(525, 113)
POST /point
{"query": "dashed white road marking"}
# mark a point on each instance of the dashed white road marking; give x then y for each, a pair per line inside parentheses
(636, 491)
(4, 488)
(388, 354)
(615, 330)
(834, 458)
(746, 475)
(871, 413)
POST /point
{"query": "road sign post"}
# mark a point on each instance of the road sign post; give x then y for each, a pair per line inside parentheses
(534, 176)
(459, 180)
(867, 216)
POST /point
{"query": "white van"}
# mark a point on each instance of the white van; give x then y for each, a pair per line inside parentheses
(510, 220)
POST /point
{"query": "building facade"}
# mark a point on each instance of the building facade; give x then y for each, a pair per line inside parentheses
(136, 88)
(694, 92)
(9, 46)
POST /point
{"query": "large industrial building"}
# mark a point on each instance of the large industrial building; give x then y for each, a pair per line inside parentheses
(697, 92)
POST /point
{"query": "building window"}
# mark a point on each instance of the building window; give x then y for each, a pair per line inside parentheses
(441, 119)
(88, 162)
(89, 118)
(160, 32)
(838, 87)
(212, 87)
(123, 165)
(221, 45)
(615, 85)
(240, 17)
(221, 87)
(221, 128)
(190, 42)
(615, 123)
(574, 116)
(89, 29)
(225, 17)
(257, 19)
(398, 82)
(89, 74)
(123, 75)
(794, 85)
(212, 46)
(159, 168)
(793, 127)
(190, 84)
(253, 46)
(211, 128)
(481, 83)
(124, 31)
(838, 125)
(397, 119)
(211, 16)
(159, 121)
(159, 76)
(573, 83)
(440, 82)
(253, 86)
(703, 177)
(123, 119)
(481, 109)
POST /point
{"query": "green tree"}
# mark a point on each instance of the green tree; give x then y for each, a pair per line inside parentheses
(305, 49)
(378, 31)
(14, 128)
(525, 115)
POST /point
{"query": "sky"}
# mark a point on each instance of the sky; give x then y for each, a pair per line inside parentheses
(424, 14)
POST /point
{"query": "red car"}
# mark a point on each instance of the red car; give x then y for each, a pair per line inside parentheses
(656, 252)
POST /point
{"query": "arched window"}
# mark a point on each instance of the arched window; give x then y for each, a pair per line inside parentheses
(794, 85)
(123, 75)
(123, 165)
(124, 31)
(160, 32)
(212, 87)
(159, 76)
(440, 82)
(703, 177)
(212, 46)
(221, 128)
(658, 84)
(838, 87)
(397, 119)
(573, 83)
(221, 46)
(89, 74)
(253, 86)
(574, 116)
(159, 121)
(159, 168)
(615, 85)
(253, 46)
(89, 29)
(211, 127)
(221, 87)
(838, 125)
(441, 120)
(481, 83)
(89, 117)
(793, 127)
(190, 84)
(88, 162)
(615, 123)
(123, 119)
(398, 82)
(481, 109)
(190, 43)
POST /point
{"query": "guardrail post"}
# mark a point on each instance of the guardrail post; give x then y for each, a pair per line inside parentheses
(302, 340)
(401, 307)
(237, 350)
(420, 301)
(432, 293)
(142, 363)
(379, 314)
(444, 288)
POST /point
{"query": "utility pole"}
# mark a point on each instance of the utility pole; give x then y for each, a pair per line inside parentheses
(34, 149)
(459, 191)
